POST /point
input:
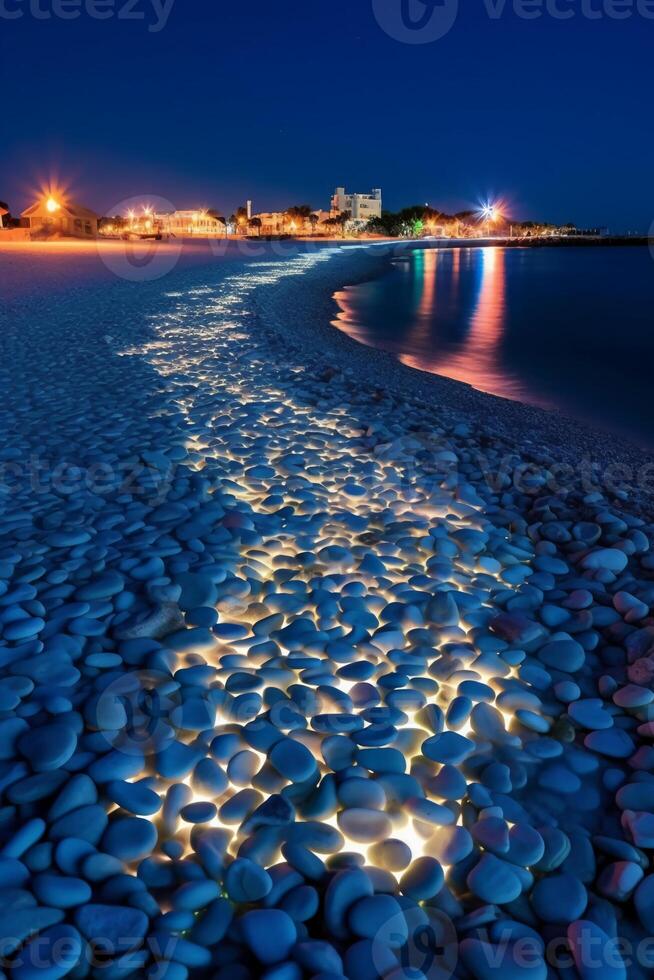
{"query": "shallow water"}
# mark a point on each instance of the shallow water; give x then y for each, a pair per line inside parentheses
(570, 329)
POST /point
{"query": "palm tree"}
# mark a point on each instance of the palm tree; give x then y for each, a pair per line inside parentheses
(343, 219)
(313, 221)
(256, 223)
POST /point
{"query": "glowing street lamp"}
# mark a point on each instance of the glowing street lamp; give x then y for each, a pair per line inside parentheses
(490, 214)
(52, 206)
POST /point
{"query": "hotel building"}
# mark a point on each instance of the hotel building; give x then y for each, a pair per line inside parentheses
(363, 207)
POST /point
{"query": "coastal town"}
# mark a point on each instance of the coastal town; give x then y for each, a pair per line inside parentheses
(55, 214)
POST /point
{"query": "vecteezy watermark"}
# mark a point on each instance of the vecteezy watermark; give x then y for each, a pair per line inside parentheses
(423, 940)
(132, 246)
(137, 711)
(426, 21)
(416, 21)
(153, 13)
(146, 480)
(57, 952)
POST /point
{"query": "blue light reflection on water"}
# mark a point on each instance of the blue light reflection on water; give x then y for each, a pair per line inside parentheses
(568, 328)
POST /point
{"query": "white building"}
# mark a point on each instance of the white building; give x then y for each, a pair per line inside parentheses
(362, 206)
(184, 224)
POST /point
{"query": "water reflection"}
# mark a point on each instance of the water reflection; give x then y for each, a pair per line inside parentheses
(477, 359)
(457, 318)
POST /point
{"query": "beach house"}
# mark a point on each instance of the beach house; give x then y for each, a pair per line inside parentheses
(60, 218)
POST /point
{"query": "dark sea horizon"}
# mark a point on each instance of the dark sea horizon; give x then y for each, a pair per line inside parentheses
(570, 329)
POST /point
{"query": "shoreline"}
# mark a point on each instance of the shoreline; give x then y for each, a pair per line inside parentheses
(515, 424)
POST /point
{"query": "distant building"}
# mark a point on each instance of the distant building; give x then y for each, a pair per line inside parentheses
(282, 223)
(54, 217)
(185, 224)
(273, 223)
(363, 207)
(4, 213)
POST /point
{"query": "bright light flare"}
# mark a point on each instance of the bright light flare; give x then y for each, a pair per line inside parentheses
(52, 206)
(492, 212)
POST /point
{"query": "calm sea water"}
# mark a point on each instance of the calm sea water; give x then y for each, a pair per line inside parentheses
(566, 328)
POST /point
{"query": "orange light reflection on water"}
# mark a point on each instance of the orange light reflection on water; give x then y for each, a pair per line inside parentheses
(476, 359)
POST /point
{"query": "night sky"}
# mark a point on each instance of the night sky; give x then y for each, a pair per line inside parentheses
(281, 100)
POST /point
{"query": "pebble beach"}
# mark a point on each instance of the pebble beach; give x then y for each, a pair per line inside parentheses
(312, 666)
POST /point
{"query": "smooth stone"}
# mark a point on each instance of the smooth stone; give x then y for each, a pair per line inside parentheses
(136, 798)
(526, 845)
(198, 813)
(617, 881)
(292, 760)
(86, 823)
(559, 898)
(564, 655)
(448, 748)
(590, 713)
(640, 827)
(424, 879)
(379, 916)
(61, 892)
(493, 881)
(391, 854)
(633, 697)
(636, 796)
(365, 826)
(195, 895)
(48, 747)
(428, 812)
(317, 956)
(450, 845)
(614, 743)
(246, 881)
(361, 793)
(130, 838)
(609, 559)
(345, 888)
(270, 934)
(492, 833)
(211, 928)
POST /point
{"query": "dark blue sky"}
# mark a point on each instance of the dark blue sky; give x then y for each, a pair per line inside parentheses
(280, 100)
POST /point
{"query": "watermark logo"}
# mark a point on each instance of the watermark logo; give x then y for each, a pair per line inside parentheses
(429, 951)
(154, 14)
(148, 480)
(416, 21)
(132, 245)
(426, 21)
(136, 712)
